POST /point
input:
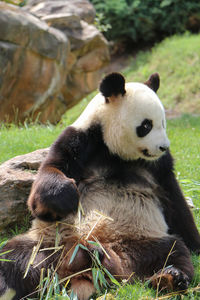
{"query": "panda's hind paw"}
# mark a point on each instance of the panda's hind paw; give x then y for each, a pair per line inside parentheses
(171, 279)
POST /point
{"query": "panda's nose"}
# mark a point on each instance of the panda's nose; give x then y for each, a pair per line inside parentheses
(163, 148)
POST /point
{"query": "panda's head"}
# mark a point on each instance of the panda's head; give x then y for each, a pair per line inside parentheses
(132, 117)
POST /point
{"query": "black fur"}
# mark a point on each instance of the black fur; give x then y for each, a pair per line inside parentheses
(112, 84)
(54, 186)
(3, 285)
(76, 152)
(153, 82)
(177, 214)
(144, 128)
(150, 254)
(13, 271)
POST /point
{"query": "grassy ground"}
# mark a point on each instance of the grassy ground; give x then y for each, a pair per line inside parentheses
(177, 61)
(29, 137)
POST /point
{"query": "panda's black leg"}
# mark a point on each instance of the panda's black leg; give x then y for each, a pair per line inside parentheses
(3, 286)
(13, 282)
(166, 261)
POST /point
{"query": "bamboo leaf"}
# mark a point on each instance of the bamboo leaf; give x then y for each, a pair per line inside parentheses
(93, 243)
(96, 256)
(95, 275)
(111, 277)
(83, 247)
(8, 251)
(4, 259)
(101, 278)
(103, 281)
(74, 253)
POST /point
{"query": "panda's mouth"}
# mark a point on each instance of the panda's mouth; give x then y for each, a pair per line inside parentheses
(145, 152)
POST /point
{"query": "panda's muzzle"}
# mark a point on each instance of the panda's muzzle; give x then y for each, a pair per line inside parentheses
(146, 153)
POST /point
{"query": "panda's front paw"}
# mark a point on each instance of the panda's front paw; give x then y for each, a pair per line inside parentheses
(171, 279)
(52, 201)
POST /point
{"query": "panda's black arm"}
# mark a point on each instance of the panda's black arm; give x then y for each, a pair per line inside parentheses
(54, 193)
(178, 215)
(182, 221)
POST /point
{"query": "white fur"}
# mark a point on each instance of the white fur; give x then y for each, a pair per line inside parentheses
(132, 210)
(120, 118)
(135, 209)
(9, 295)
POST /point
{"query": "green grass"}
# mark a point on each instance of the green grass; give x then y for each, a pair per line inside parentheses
(177, 60)
(16, 141)
(29, 137)
(178, 63)
(184, 135)
(185, 147)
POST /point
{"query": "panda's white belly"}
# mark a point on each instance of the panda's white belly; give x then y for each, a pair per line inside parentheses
(135, 210)
(114, 210)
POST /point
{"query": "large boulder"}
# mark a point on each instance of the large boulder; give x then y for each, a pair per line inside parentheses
(49, 60)
(32, 66)
(89, 49)
(16, 177)
(33, 57)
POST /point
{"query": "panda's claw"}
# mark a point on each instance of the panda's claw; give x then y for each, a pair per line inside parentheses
(170, 279)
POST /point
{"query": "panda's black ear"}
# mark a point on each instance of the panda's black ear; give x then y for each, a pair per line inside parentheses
(112, 85)
(153, 82)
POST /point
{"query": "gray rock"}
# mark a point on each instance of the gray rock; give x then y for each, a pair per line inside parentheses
(16, 177)
(21, 28)
(50, 58)
(82, 8)
(33, 66)
(89, 49)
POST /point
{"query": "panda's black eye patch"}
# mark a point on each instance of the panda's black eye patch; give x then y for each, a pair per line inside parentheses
(144, 128)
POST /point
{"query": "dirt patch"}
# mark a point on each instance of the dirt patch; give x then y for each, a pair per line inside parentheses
(171, 114)
(117, 63)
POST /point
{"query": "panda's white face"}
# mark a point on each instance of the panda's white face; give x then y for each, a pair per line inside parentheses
(134, 124)
(146, 117)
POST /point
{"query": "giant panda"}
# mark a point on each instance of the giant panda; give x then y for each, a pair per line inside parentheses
(113, 162)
